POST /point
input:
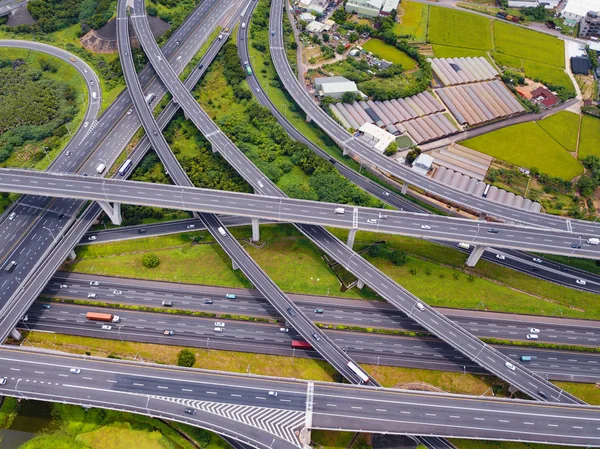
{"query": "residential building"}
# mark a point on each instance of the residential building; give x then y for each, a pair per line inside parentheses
(580, 65)
(590, 24)
(544, 97)
(575, 10)
(371, 8)
(379, 138)
(335, 86)
(307, 17)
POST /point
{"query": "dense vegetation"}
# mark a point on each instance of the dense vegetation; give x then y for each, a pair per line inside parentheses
(256, 132)
(33, 107)
(52, 15)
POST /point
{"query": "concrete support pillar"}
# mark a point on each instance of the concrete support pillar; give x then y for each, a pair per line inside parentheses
(351, 237)
(113, 211)
(234, 265)
(482, 216)
(15, 334)
(344, 150)
(475, 256)
(404, 188)
(308, 119)
(255, 230)
(72, 255)
(360, 284)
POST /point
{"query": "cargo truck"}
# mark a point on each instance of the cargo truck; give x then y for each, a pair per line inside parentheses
(108, 317)
(593, 241)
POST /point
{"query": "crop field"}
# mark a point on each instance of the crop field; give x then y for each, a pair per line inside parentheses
(549, 74)
(389, 53)
(459, 29)
(590, 137)
(445, 51)
(414, 21)
(528, 145)
(527, 44)
(563, 128)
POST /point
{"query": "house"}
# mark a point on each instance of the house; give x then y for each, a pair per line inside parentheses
(335, 86)
(575, 10)
(379, 138)
(522, 91)
(371, 8)
(580, 65)
(544, 97)
(422, 164)
(307, 17)
(315, 27)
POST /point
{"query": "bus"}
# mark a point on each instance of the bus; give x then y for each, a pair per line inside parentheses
(248, 70)
(301, 344)
(125, 167)
(360, 373)
(485, 192)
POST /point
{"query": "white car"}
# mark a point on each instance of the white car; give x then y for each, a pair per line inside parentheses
(500, 256)
(26, 318)
(532, 336)
(85, 125)
(92, 237)
(386, 193)
(75, 370)
(64, 286)
(283, 329)
(106, 327)
(117, 292)
(3, 381)
(12, 216)
(178, 58)
(219, 324)
(581, 281)
(272, 393)
(92, 295)
(533, 330)
(372, 221)
(537, 260)
(129, 112)
(95, 283)
(218, 329)
(425, 227)
(420, 306)
(159, 58)
(510, 366)
(191, 226)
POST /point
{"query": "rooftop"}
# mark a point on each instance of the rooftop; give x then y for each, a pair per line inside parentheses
(382, 137)
(580, 7)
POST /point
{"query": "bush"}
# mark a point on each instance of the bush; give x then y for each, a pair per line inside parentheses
(186, 358)
(391, 149)
(150, 260)
(374, 250)
(398, 258)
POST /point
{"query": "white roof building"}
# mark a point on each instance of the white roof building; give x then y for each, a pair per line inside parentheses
(575, 10)
(335, 86)
(422, 164)
(548, 4)
(315, 27)
(307, 17)
(380, 138)
(389, 6)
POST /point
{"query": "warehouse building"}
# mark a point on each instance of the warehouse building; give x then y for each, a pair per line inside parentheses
(378, 138)
(335, 86)
(371, 8)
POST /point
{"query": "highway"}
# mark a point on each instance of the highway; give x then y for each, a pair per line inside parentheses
(267, 338)
(164, 391)
(349, 312)
(42, 221)
(371, 157)
(6, 6)
(283, 209)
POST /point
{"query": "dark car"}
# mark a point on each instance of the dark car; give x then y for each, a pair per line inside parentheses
(291, 311)
(190, 411)
(493, 231)
(169, 332)
(142, 231)
(208, 301)
(576, 245)
(541, 394)
(316, 336)
(61, 216)
(534, 268)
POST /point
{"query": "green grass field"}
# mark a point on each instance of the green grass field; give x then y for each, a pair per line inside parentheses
(478, 444)
(459, 29)
(65, 73)
(548, 74)
(562, 127)
(414, 20)
(389, 53)
(527, 44)
(445, 51)
(527, 145)
(589, 141)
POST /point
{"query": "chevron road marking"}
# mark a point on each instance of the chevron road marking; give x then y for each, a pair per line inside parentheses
(278, 422)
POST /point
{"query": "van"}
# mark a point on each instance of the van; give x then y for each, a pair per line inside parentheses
(100, 168)
(91, 295)
(464, 245)
(230, 296)
(94, 95)
(338, 210)
(221, 231)
(167, 303)
(532, 336)
(218, 329)
(591, 241)
(283, 329)
(243, 25)
(10, 266)
(525, 358)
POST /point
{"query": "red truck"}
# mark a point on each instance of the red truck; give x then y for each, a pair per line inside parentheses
(301, 344)
(108, 317)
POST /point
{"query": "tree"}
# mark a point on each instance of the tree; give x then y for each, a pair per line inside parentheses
(374, 250)
(150, 260)
(348, 97)
(398, 258)
(326, 37)
(340, 49)
(353, 37)
(391, 149)
(186, 358)
(413, 154)
(339, 15)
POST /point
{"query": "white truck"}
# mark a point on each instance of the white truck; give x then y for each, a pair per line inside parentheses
(100, 168)
(464, 245)
(243, 25)
(593, 241)
(94, 95)
(339, 210)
